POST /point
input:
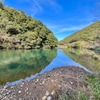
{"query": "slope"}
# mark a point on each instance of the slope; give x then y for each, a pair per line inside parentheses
(88, 37)
(19, 31)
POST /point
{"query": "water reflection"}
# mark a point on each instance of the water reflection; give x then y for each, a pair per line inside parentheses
(23, 63)
(86, 58)
(60, 60)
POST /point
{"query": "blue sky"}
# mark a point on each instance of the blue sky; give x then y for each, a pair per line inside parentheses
(62, 17)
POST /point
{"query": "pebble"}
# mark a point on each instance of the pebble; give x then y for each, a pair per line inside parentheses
(71, 83)
(36, 81)
(21, 85)
(53, 92)
(12, 87)
(52, 80)
(5, 86)
(16, 91)
(48, 75)
(19, 91)
(47, 93)
(26, 89)
(49, 98)
(44, 98)
(0, 96)
(20, 99)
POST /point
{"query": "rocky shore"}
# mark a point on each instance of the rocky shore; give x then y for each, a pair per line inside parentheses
(44, 86)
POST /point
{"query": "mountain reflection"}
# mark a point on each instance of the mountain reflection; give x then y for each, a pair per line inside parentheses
(86, 58)
(17, 64)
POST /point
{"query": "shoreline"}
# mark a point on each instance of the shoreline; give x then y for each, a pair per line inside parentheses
(48, 82)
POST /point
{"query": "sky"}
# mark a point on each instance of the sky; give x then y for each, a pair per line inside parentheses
(62, 17)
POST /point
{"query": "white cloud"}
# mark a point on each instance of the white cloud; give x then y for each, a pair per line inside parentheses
(57, 29)
(37, 6)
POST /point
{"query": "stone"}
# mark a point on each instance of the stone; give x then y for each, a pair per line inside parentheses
(20, 99)
(12, 87)
(8, 93)
(53, 92)
(52, 80)
(47, 93)
(44, 98)
(71, 83)
(0, 96)
(21, 85)
(48, 75)
(49, 98)
(5, 87)
(19, 91)
(36, 81)
(26, 89)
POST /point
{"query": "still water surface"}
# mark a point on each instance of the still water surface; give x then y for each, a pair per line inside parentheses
(25, 64)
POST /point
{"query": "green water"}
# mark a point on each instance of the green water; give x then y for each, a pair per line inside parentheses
(87, 58)
(17, 64)
(24, 64)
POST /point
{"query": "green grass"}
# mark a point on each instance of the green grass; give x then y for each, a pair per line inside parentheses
(93, 82)
(87, 36)
(92, 92)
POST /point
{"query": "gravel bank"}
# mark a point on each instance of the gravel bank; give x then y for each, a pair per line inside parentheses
(43, 87)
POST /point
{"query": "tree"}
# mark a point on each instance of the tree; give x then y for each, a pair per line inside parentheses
(31, 32)
(1, 5)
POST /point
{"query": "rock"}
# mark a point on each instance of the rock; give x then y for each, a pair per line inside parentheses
(43, 82)
(8, 93)
(26, 89)
(5, 87)
(53, 92)
(21, 85)
(71, 83)
(52, 80)
(12, 87)
(47, 93)
(20, 99)
(19, 91)
(44, 98)
(0, 96)
(49, 98)
(30, 93)
(36, 81)
(48, 75)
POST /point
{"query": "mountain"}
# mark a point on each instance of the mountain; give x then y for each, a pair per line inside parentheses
(88, 38)
(19, 31)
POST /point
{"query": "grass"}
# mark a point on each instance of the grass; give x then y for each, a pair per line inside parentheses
(92, 90)
(83, 38)
(93, 82)
(70, 95)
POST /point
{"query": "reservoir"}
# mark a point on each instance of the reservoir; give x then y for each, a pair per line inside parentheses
(16, 65)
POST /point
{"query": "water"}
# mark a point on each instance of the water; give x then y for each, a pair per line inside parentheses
(86, 58)
(25, 64)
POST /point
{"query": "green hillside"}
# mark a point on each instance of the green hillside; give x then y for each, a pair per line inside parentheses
(88, 37)
(19, 31)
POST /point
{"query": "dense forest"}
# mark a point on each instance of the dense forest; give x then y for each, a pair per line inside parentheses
(19, 31)
(88, 38)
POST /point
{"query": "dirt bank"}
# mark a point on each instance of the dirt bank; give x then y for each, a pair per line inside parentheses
(45, 84)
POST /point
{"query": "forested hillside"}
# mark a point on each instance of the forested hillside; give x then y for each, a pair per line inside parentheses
(88, 37)
(19, 31)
